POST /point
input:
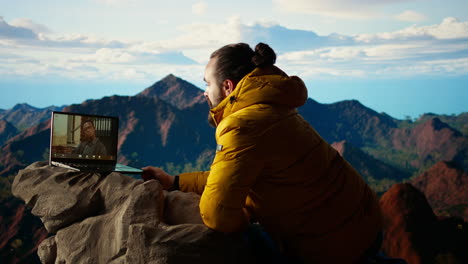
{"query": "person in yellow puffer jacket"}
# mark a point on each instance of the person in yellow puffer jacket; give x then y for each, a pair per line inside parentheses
(272, 165)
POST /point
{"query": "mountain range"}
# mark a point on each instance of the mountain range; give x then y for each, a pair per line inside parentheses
(166, 125)
(170, 117)
(412, 147)
(23, 116)
(447, 195)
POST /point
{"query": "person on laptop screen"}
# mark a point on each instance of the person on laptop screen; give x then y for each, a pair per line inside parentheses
(90, 144)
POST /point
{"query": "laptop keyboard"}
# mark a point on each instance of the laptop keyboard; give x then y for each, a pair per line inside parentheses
(83, 167)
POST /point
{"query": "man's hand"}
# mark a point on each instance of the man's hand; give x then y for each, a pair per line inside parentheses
(150, 173)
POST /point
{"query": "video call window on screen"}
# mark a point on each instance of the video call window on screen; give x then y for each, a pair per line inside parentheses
(83, 137)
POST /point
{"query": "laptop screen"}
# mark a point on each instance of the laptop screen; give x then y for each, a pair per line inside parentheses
(83, 137)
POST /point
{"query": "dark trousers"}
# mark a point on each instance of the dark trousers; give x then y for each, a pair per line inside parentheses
(265, 250)
(374, 256)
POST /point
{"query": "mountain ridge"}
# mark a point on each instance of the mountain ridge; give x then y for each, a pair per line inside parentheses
(348, 120)
(378, 174)
(23, 115)
(444, 185)
(166, 126)
(7, 131)
(175, 91)
(432, 141)
(373, 133)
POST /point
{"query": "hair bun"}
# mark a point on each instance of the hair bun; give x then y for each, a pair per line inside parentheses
(264, 55)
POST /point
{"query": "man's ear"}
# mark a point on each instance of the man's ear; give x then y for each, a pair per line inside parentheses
(228, 87)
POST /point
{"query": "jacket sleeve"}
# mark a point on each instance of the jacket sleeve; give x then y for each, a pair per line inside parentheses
(193, 181)
(233, 172)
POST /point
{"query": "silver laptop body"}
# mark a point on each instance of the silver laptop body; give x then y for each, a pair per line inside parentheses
(87, 143)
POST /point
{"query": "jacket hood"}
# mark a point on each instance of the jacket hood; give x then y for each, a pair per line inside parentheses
(268, 85)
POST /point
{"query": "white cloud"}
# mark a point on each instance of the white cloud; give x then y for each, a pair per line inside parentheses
(148, 47)
(324, 55)
(106, 55)
(264, 22)
(322, 72)
(197, 39)
(162, 21)
(199, 35)
(133, 57)
(192, 73)
(354, 9)
(450, 28)
(439, 49)
(384, 58)
(195, 36)
(10, 58)
(341, 9)
(134, 74)
(410, 16)
(116, 2)
(25, 32)
(453, 66)
(8, 31)
(29, 24)
(79, 41)
(199, 8)
(343, 53)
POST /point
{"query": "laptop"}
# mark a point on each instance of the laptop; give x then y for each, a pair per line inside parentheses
(87, 143)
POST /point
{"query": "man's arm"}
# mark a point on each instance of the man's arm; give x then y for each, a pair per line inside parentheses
(234, 170)
(193, 181)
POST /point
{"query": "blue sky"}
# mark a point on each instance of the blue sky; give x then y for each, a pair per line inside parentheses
(402, 57)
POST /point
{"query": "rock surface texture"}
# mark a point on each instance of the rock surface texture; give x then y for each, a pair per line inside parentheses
(414, 233)
(444, 186)
(115, 218)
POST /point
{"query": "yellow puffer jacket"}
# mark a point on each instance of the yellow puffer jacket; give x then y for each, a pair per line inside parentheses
(272, 165)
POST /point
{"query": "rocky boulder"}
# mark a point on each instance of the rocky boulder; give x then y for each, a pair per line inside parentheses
(444, 186)
(114, 218)
(414, 233)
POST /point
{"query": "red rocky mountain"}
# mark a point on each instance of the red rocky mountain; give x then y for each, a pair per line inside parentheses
(23, 116)
(20, 233)
(409, 147)
(176, 92)
(432, 141)
(459, 122)
(7, 131)
(414, 233)
(33, 143)
(445, 187)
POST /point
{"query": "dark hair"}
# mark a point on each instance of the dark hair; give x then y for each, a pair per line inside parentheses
(264, 55)
(234, 61)
(88, 121)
